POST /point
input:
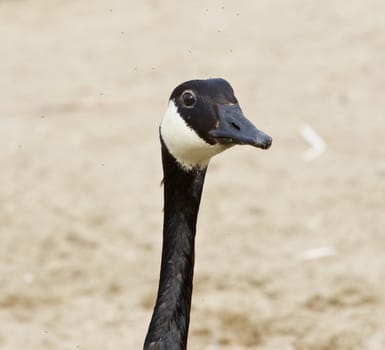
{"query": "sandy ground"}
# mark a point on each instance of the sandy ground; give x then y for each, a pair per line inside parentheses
(83, 87)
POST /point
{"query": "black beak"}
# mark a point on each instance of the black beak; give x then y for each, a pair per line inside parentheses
(234, 128)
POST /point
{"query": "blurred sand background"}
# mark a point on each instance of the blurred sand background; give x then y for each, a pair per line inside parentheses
(83, 86)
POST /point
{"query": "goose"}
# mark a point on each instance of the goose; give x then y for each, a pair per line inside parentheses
(203, 118)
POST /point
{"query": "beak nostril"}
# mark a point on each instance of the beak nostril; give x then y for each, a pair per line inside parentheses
(235, 126)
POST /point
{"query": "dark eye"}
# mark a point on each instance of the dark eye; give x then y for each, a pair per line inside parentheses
(188, 99)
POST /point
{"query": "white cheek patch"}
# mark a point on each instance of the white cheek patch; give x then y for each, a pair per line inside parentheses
(183, 142)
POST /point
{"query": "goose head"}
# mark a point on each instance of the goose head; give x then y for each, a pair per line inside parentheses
(204, 118)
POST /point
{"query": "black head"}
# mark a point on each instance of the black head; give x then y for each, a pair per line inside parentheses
(203, 119)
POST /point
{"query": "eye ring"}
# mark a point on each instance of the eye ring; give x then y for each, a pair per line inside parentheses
(189, 99)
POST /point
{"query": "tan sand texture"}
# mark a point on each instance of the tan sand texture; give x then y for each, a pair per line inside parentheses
(289, 251)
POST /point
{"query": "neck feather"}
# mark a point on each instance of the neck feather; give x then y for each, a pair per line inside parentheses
(182, 193)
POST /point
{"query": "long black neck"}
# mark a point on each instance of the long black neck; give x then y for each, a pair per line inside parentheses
(182, 194)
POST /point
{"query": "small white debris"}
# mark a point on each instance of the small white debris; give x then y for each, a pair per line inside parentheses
(317, 144)
(318, 253)
(28, 278)
(90, 324)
